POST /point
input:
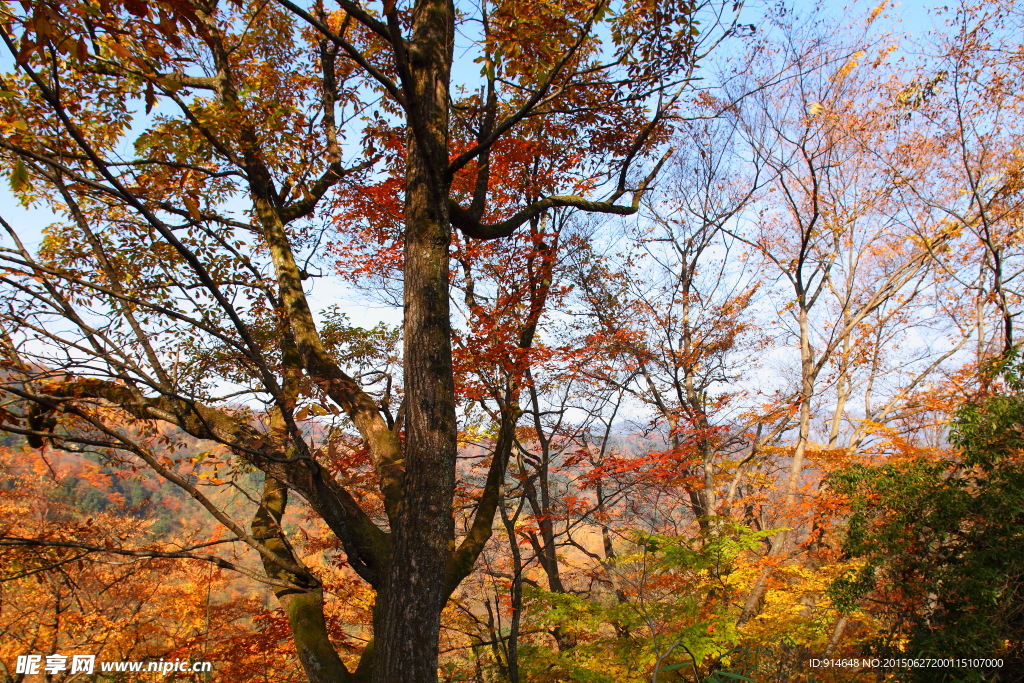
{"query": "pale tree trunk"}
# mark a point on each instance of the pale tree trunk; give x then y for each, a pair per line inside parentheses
(783, 541)
(844, 388)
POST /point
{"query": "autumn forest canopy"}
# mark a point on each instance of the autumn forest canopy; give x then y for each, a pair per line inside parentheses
(513, 340)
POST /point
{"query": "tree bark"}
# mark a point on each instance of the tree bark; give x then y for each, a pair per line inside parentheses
(408, 612)
(304, 604)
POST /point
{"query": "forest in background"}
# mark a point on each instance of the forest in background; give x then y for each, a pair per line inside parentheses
(732, 304)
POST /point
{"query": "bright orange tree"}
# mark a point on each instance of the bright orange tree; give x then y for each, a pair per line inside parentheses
(73, 585)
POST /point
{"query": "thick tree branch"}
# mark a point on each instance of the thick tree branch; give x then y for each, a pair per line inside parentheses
(89, 548)
(463, 219)
(334, 174)
(303, 601)
(461, 562)
(352, 51)
(365, 543)
(544, 93)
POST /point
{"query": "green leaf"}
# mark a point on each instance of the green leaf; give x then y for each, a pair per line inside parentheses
(19, 178)
(717, 677)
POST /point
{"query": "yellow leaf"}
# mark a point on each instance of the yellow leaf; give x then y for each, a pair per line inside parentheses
(193, 208)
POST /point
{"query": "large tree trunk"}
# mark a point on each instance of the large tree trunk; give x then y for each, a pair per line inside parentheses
(408, 613)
